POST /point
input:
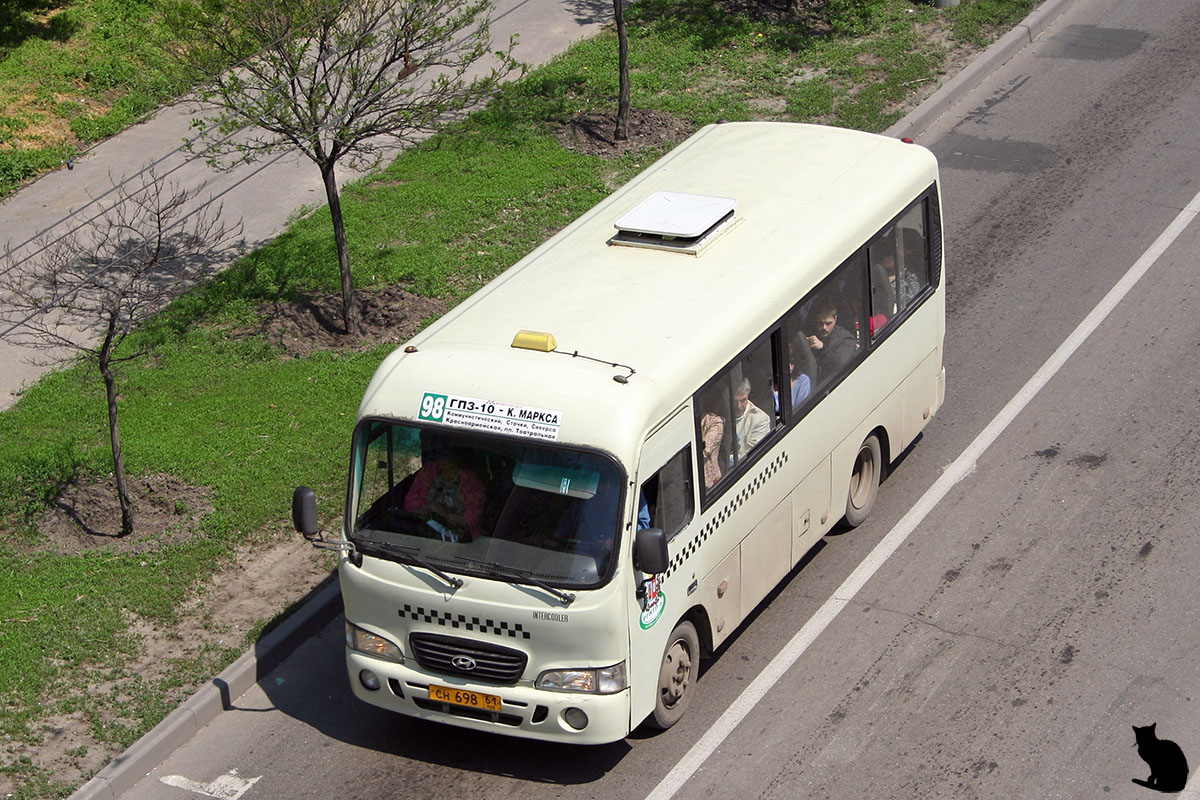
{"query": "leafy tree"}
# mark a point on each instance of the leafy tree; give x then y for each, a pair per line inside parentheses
(338, 81)
(84, 293)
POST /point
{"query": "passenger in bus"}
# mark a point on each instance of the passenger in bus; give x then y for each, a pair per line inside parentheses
(752, 423)
(802, 366)
(832, 345)
(883, 293)
(712, 434)
(451, 494)
(883, 280)
(907, 283)
(801, 380)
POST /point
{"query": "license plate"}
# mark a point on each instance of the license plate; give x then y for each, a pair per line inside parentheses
(462, 697)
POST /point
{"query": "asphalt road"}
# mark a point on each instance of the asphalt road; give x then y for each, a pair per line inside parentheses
(1041, 607)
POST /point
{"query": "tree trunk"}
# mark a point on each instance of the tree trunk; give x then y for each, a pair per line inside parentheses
(114, 433)
(349, 307)
(621, 133)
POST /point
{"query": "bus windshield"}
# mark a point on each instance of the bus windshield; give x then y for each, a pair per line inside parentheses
(495, 506)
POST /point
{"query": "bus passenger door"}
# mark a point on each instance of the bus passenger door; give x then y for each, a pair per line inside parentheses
(666, 482)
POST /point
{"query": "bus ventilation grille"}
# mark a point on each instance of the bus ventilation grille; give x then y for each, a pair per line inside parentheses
(450, 655)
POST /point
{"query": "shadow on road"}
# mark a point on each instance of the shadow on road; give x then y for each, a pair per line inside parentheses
(311, 686)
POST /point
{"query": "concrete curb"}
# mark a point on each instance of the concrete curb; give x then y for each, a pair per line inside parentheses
(320, 606)
(920, 118)
(325, 602)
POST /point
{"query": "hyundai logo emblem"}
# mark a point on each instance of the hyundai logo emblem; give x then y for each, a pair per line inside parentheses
(465, 663)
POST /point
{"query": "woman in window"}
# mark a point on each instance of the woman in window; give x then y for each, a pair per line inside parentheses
(712, 433)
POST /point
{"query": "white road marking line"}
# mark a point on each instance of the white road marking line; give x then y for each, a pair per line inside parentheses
(224, 787)
(959, 469)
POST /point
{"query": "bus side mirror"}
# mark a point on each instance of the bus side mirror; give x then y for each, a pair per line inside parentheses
(304, 511)
(650, 551)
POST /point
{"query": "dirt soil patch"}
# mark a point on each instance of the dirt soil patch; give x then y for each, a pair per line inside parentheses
(593, 134)
(87, 514)
(314, 322)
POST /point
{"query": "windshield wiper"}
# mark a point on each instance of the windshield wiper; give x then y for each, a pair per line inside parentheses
(406, 555)
(517, 575)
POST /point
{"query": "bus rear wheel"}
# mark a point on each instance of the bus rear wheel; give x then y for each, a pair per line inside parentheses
(864, 481)
(677, 676)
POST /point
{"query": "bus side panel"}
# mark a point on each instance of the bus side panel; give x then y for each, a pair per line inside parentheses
(905, 361)
(923, 394)
(748, 570)
(721, 593)
(766, 554)
(812, 517)
(924, 386)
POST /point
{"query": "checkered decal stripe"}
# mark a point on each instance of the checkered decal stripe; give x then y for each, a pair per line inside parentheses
(512, 630)
(731, 505)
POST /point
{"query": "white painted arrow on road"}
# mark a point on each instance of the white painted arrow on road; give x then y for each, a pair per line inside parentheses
(225, 787)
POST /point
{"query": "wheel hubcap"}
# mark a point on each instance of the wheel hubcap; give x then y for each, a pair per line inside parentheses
(677, 668)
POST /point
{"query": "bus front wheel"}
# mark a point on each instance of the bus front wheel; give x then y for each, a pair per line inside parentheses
(677, 676)
(864, 481)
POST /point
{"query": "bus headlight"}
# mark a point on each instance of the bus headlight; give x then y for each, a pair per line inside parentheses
(372, 644)
(607, 680)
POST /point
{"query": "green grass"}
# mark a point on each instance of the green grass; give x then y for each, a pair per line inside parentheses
(511, 187)
(220, 407)
(72, 73)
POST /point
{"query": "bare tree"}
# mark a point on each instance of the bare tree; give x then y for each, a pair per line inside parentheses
(338, 81)
(621, 133)
(83, 294)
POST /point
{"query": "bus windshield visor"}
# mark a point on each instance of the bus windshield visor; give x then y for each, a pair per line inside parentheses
(500, 507)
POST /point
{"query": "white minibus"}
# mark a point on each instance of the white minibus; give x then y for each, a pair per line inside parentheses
(583, 478)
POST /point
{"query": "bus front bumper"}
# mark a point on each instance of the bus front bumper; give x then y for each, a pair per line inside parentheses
(524, 711)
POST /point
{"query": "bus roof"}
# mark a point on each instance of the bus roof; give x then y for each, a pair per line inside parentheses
(804, 196)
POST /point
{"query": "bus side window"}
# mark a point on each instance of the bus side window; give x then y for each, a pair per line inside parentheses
(881, 256)
(714, 432)
(755, 406)
(912, 273)
(832, 319)
(668, 494)
(801, 366)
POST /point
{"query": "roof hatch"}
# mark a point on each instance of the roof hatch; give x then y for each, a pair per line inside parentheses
(675, 221)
